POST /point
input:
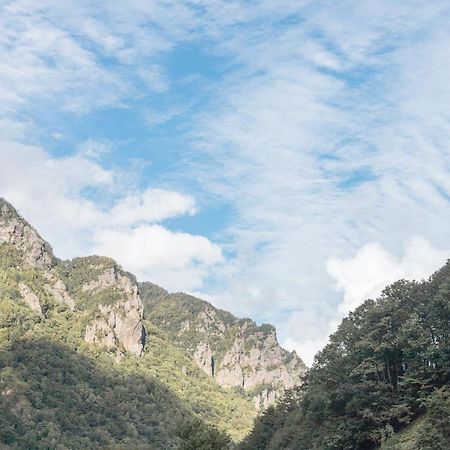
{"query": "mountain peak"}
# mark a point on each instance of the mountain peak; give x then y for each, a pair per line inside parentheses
(7, 211)
(16, 231)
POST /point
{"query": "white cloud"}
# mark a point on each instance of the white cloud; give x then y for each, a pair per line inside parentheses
(303, 334)
(50, 194)
(92, 148)
(156, 117)
(151, 205)
(155, 78)
(177, 261)
(359, 278)
(306, 348)
(82, 55)
(373, 267)
(333, 134)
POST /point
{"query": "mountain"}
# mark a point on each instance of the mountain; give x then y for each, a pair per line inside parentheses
(91, 359)
(383, 379)
(236, 353)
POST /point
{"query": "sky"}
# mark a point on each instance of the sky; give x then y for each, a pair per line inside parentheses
(284, 160)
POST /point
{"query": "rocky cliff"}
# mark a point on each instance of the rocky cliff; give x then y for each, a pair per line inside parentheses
(35, 255)
(109, 298)
(62, 326)
(236, 353)
(94, 287)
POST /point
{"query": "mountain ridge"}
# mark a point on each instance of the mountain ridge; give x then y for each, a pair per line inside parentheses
(91, 306)
(235, 352)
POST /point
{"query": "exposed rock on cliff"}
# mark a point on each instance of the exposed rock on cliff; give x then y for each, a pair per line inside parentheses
(16, 231)
(58, 290)
(61, 325)
(35, 253)
(107, 303)
(203, 357)
(111, 295)
(96, 287)
(236, 353)
(31, 298)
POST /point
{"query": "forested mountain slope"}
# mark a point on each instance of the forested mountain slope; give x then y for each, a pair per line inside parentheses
(236, 353)
(386, 366)
(81, 366)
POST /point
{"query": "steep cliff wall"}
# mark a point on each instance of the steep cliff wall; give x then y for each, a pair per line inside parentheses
(235, 352)
(109, 299)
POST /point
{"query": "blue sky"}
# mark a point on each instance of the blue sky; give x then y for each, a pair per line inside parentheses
(284, 160)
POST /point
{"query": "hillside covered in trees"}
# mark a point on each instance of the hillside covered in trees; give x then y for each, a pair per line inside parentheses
(81, 367)
(383, 379)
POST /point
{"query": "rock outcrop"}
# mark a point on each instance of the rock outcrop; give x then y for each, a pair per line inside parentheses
(111, 294)
(254, 362)
(122, 321)
(235, 352)
(204, 359)
(257, 359)
(58, 290)
(16, 231)
(36, 254)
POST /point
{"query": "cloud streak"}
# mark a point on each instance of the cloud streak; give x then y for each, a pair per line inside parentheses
(334, 134)
(325, 131)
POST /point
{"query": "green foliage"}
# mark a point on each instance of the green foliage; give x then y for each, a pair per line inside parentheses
(384, 367)
(46, 372)
(436, 432)
(194, 436)
(53, 395)
(171, 311)
(78, 272)
(226, 410)
(59, 392)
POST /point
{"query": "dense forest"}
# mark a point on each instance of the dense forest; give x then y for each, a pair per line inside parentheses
(385, 370)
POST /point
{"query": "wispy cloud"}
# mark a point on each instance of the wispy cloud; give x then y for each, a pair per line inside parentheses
(335, 133)
(326, 128)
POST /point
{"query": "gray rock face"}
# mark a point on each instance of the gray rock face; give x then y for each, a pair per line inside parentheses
(203, 357)
(122, 321)
(265, 398)
(14, 230)
(99, 331)
(236, 353)
(254, 360)
(37, 253)
(58, 290)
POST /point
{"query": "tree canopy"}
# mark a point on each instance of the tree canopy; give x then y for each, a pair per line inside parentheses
(387, 364)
